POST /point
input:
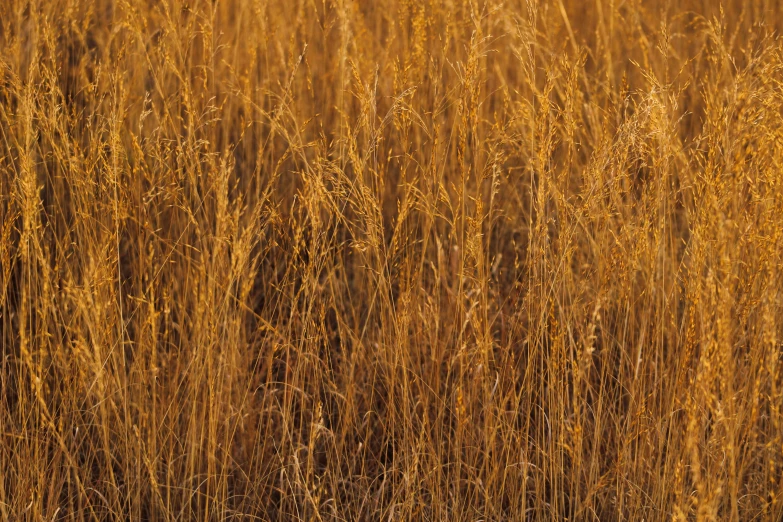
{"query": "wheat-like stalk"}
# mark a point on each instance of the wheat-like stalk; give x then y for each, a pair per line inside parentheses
(330, 260)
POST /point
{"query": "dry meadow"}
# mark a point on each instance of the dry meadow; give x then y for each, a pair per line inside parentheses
(391, 260)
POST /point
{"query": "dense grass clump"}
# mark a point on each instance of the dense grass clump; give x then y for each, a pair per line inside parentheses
(390, 260)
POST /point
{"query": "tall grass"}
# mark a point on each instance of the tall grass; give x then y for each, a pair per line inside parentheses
(391, 260)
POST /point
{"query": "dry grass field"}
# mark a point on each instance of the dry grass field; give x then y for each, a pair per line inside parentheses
(391, 260)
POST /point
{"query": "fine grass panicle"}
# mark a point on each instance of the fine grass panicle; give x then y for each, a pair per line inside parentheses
(391, 260)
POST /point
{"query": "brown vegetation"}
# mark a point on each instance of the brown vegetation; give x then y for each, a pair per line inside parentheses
(391, 260)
